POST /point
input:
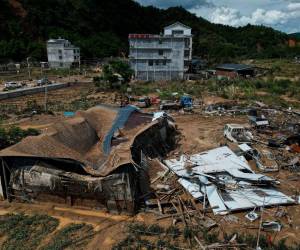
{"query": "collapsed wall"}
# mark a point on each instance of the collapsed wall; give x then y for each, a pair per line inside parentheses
(68, 165)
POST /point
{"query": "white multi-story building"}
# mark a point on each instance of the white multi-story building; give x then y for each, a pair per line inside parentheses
(161, 57)
(62, 54)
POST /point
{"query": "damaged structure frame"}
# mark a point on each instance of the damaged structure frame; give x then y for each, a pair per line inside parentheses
(108, 171)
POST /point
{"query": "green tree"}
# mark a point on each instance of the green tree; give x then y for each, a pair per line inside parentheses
(114, 69)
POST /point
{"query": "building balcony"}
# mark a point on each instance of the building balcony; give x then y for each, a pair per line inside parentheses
(151, 46)
(145, 57)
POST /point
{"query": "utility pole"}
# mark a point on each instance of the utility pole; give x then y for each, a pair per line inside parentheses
(28, 67)
(46, 96)
(79, 64)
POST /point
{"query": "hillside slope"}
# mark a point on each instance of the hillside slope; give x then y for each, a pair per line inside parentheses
(101, 29)
(295, 35)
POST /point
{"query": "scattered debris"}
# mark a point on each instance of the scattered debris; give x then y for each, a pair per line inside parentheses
(265, 160)
(257, 121)
(271, 226)
(252, 216)
(227, 181)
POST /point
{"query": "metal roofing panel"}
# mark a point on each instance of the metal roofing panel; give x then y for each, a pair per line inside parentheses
(192, 188)
(233, 66)
(215, 200)
(244, 147)
(222, 165)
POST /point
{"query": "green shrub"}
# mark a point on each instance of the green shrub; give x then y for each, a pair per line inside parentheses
(279, 87)
(13, 135)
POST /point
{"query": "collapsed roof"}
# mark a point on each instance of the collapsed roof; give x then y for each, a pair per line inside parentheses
(99, 139)
(227, 180)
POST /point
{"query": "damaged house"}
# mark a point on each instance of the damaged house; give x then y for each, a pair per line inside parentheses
(95, 159)
(226, 181)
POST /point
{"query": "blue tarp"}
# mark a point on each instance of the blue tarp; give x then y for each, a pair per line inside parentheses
(118, 123)
(186, 101)
(69, 114)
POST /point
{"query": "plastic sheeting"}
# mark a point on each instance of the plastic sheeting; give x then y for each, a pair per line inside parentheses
(118, 123)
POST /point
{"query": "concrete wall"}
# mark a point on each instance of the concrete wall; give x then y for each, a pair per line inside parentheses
(29, 91)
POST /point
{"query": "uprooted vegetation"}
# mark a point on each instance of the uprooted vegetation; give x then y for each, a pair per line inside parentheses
(19, 231)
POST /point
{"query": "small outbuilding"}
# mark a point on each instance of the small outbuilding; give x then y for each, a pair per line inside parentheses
(231, 70)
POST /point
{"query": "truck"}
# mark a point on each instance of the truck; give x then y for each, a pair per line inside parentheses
(237, 133)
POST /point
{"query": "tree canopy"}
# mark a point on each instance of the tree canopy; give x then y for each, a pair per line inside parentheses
(101, 29)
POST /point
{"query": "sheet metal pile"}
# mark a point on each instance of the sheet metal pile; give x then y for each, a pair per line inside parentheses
(226, 180)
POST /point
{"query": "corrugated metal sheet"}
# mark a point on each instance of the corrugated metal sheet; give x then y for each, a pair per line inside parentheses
(227, 180)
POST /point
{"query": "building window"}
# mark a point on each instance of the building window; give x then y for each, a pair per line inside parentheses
(186, 53)
(160, 41)
(61, 64)
(59, 51)
(187, 43)
(150, 62)
(161, 52)
(164, 62)
(75, 57)
(177, 32)
(157, 62)
(60, 57)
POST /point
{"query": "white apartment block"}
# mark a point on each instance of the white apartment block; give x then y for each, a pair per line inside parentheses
(62, 54)
(161, 57)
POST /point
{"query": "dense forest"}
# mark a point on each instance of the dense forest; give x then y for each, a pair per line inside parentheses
(101, 29)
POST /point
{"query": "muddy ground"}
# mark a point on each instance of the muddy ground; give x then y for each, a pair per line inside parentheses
(199, 132)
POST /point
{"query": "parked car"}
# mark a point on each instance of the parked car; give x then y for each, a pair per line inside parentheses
(237, 133)
(43, 81)
(12, 85)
